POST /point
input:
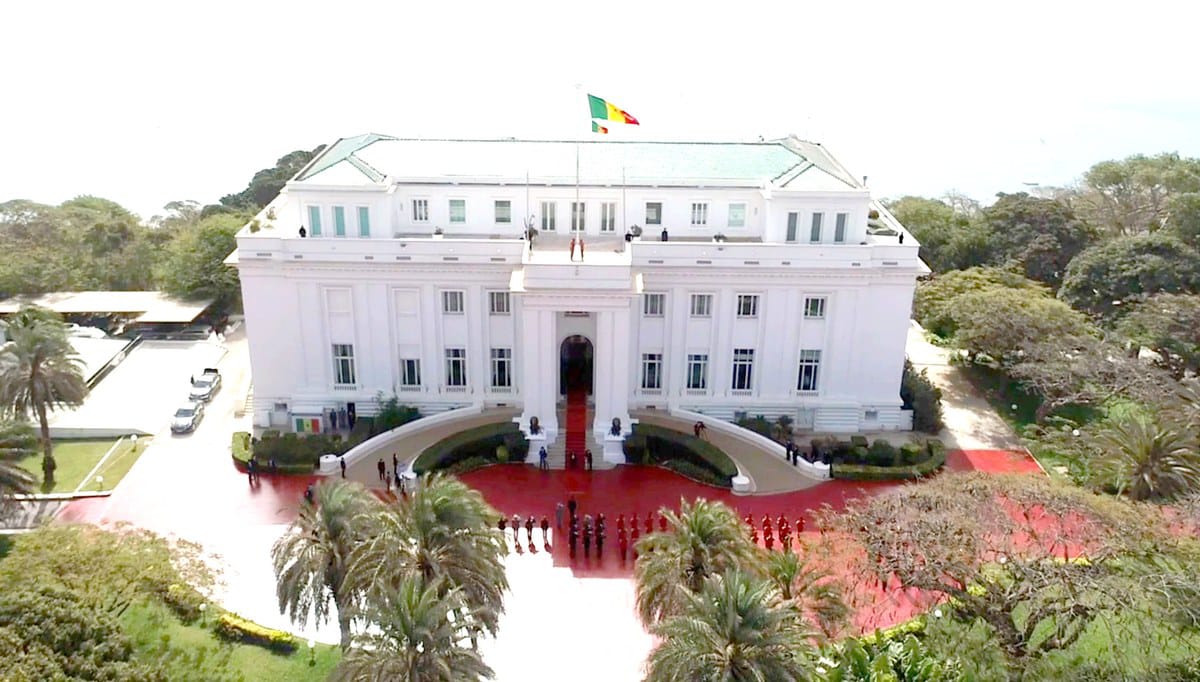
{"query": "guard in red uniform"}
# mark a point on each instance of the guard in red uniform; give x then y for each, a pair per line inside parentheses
(503, 525)
(545, 529)
(782, 522)
(753, 535)
(768, 538)
(633, 523)
(633, 537)
(749, 520)
(662, 522)
(620, 523)
(785, 539)
(800, 525)
(649, 524)
(529, 529)
(766, 522)
(622, 542)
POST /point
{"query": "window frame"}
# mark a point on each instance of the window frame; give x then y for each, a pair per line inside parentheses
(662, 304)
(450, 203)
(752, 299)
(729, 216)
(449, 295)
(314, 221)
(420, 210)
(699, 209)
(502, 367)
(496, 206)
(652, 371)
(343, 365)
(339, 221)
(840, 223)
(817, 228)
(708, 312)
(815, 307)
(364, 226)
(810, 369)
(549, 219)
(608, 216)
(451, 361)
(792, 229)
(578, 216)
(410, 379)
(743, 368)
(658, 220)
(493, 297)
(697, 360)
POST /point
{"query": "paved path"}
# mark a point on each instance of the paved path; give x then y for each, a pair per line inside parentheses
(771, 475)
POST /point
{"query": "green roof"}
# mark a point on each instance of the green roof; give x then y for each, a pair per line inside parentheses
(780, 162)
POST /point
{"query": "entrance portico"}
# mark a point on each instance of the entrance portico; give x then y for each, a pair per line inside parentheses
(571, 306)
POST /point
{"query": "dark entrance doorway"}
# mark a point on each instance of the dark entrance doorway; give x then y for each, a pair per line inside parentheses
(575, 364)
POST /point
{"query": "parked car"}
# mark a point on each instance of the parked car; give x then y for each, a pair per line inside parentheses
(187, 418)
(205, 386)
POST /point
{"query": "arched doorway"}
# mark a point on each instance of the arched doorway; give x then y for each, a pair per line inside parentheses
(575, 364)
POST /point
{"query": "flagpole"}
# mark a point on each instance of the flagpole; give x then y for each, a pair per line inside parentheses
(576, 214)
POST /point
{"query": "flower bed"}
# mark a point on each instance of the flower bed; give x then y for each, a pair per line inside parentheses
(687, 455)
(238, 629)
(474, 448)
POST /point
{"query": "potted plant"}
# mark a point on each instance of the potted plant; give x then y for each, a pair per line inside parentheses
(438, 232)
(718, 238)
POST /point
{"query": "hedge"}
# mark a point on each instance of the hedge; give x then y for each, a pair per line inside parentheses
(693, 457)
(934, 458)
(238, 629)
(480, 443)
(293, 454)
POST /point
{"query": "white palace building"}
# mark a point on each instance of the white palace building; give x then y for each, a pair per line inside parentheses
(762, 280)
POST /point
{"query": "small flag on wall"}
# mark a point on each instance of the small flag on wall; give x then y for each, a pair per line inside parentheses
(597, 128)
(605, 111)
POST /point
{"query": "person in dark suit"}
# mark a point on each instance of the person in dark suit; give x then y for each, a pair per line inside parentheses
(587, 539)
(545, 530)
(572, 505)
(587, 458)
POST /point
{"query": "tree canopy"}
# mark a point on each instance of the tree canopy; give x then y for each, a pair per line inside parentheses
(1134, 195)
(950, 238)
(1040, 235)
(266, 183)
(1128, 269)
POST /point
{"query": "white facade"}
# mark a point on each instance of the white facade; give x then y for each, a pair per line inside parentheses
(414, 278)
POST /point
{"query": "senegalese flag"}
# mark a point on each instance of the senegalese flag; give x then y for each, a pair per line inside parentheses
(597, 128)
(605, 111)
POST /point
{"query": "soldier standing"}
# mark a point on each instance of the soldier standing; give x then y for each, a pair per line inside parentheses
(587, 537)
(662, 521)
(573, 537)
(516, 528)
(529, 529)
(545, 530)
(503, 525)
(649, 523)
(600, 539)
(622, 542)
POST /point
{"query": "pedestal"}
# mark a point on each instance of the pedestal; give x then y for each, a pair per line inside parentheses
(329, 464)
(536, 441)
(614, 450)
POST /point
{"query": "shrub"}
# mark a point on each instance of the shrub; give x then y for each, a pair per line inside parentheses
(886, 463)
(920, 395)
(759, 425)
(502, 454)
(695, 472)
(911, 453)
(183, 600)
(392, 414)
(882, 453)
(858, 441)
(241, 446)
(481, 442)
(237, 629)
(663, 446)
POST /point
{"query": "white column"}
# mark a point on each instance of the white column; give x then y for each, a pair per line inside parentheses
(602, 373)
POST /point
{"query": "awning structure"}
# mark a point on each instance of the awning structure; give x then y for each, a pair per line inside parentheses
(145, 306)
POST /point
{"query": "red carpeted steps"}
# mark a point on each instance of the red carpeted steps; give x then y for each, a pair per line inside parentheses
(577, 424)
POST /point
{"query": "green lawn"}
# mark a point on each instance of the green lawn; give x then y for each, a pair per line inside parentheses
(76, 458)
(152, 627)
(118, 464)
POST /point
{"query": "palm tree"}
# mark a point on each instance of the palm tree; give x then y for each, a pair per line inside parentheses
(312, 558)
(17, 442)
(39, 372)
(783, 428)
(413, 638)
(1148, 458)
(736, 628)
(705, 538)
(810, 589)
(444, 532)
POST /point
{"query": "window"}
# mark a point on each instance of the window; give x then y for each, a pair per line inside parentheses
(701, 305)
(652, 371)
(697, 371)
(420, 210)
(456, 366)
(608, 216)
(410, 372)
(501, 368)
(743, 369)
(503, 212)
(343, 364)
(747, 305)
(314, 221)
(364, 221)
(737, 215)
(814, 307)
(815, 234)
(653, 305)
(458, 210)
(452, 302)
(578, 215)
(699, 214)
(654, 213)
(549, 213)
(498, 302)
(810, 367)
(839, 227)
(793, 226)
(339, 221)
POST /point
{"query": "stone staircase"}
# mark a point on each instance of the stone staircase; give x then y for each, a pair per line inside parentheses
(556, 455)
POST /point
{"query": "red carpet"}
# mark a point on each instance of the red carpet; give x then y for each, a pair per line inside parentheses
(576, 440)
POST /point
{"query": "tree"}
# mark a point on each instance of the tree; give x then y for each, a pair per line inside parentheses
(1108, 276)
(1168, 324)
(1183, 218)
(812, 590)
(312, 559)
(17, 441)
(1035, 562)
(895, 660)
(194, 266)
(735, 627)
(705, 538)
(39, 372)
(266, 183)
(783, 428)
(1148, 459)
(1132, 196)
(950, 239)
(444, 533)
(937, 298)
(1006, 323)
(413, 637)
(1041, 235)
(923, 397)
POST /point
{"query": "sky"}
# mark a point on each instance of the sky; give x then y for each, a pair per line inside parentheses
(150, 102)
